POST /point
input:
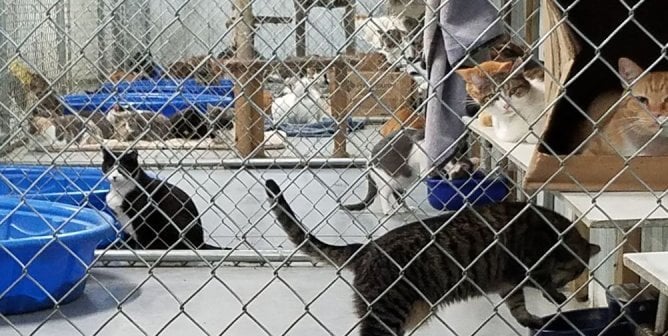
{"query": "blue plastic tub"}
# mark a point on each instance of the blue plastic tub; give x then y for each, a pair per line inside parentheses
(166, 103)
(587, 322)
(80, 186)
(453, 194)
(224, 87)
(58, 265)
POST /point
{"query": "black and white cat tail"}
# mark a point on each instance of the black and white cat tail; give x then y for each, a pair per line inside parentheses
(295, 230)
(371, 193)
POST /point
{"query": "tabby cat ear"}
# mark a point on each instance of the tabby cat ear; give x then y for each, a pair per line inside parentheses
(594, 249)
(629, 70)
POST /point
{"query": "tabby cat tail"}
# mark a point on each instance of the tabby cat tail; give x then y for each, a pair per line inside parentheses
(305, 241)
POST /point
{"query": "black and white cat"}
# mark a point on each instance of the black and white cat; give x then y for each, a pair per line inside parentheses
(154, 213)
(399, 161)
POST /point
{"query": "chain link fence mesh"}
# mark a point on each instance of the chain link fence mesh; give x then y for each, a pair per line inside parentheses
(160, 121)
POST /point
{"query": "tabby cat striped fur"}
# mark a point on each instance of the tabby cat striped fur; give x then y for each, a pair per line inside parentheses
(431, 251)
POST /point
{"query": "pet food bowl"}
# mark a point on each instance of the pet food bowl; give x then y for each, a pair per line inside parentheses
(166, 103)
(45, 249)
(479, 189)
(79, 186)
(587, 322)
(637, 303)
(224, 87)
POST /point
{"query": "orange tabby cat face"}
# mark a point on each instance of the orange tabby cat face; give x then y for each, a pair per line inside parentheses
(647, 105)
(482, 81)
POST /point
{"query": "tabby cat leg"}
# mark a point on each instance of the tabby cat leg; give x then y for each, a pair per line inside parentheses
(518, 309)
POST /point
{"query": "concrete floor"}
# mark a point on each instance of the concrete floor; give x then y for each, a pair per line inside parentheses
(240, 301)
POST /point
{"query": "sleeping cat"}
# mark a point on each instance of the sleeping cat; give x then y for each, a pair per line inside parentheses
(302, 104)
(399, 161)
(62, 130)
(410, 271)
(154, 213)
(632, 124)
(192, 124)
(131, 125)
(517, 106)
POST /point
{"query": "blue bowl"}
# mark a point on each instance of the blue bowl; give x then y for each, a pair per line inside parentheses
(79, 186)
(55, 244)
(587, 322)
(166, 103)
(453, 194)
(225, 87)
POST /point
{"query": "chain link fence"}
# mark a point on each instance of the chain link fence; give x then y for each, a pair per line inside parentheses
(155, 126)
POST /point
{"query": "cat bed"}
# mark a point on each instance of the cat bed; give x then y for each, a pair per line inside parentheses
(322, 129)
(223, 88)
(56, 268)
(166, 103)
(576, 68)
(273, 140)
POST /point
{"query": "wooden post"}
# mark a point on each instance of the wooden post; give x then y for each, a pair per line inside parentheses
(249, 119)
(632, 244)
(300, 29)
(349, 27)
(531, 21)
(339, 105)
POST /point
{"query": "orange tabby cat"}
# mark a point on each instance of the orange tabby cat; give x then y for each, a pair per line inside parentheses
(404, 117)
(630, 127)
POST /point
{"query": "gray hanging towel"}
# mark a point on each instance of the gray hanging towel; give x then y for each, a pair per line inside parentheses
(452, 27)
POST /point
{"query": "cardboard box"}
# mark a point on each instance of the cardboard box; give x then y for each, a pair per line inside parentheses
(378, 93)
(568, 59)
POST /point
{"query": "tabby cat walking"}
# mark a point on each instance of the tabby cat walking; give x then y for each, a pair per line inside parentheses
(409, 271)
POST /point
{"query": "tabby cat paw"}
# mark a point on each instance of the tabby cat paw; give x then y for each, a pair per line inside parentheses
(531, 321)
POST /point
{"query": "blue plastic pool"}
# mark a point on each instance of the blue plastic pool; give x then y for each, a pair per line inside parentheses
(453, 194)
(55, 243)
(81, 186)
(223, 88)
(166, 103)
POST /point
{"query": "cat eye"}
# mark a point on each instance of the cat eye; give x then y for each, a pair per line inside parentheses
(642, 100)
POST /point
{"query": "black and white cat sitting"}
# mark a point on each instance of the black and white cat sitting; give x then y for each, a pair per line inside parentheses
(156, 214)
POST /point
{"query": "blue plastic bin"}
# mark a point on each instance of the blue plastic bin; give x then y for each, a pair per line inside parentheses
(69, 185)
(166, 103)
(224, 87)
(453, 194)
(58, 265)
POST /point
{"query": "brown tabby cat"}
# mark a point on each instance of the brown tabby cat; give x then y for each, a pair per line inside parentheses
(629, 128)
(492, 245)
(404, 117)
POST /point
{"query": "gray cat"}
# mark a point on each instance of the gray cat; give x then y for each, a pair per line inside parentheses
(399, 161)
(410, 271)
(131, 125)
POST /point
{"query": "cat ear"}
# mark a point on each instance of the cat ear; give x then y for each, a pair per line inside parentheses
(132, 154)
(475, 161)
(508, 66)
(594, 250)
(629, 70)
(106, 154)
(466, 74)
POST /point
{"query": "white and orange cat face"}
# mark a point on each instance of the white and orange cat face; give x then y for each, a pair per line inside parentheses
(647, 105)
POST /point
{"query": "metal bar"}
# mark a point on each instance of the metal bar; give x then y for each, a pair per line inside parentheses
(245, 256)
(287, 163)
(300, 29)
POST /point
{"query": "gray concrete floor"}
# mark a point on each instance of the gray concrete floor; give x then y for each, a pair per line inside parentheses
(240, 301)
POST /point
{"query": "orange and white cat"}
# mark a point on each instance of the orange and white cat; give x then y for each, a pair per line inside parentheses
(513, 99)
(638, 125)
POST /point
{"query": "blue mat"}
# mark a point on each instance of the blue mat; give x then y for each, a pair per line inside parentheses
(325, 128)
